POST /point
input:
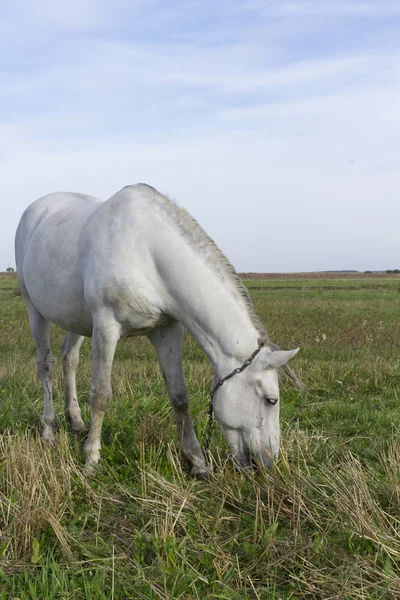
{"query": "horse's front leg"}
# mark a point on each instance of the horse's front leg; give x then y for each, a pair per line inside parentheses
(168, 344)
(105, 338)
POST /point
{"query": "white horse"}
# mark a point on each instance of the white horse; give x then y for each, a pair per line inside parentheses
(139, 265)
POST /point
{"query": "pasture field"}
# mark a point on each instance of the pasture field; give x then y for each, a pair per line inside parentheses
(324, 524)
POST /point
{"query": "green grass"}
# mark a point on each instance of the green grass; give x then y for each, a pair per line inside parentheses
(378, 284)
(325, 524)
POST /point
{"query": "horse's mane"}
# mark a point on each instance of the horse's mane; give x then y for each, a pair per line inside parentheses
(204, 245)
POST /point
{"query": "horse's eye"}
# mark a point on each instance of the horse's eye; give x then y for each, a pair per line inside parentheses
(271, 401)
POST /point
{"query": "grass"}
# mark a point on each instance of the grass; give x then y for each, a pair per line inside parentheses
(324, 524)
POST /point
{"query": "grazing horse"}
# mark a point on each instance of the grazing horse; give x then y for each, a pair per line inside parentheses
(139, 265)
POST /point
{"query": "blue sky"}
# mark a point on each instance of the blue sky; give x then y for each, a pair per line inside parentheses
(275, 123)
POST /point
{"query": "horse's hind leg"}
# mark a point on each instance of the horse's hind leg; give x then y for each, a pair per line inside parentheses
(70, 358)
(40, 329)
(168, 344)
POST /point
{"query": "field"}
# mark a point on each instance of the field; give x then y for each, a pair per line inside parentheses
(324, 524)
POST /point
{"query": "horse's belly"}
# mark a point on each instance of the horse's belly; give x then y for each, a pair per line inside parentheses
(61, 303)
(78, 323)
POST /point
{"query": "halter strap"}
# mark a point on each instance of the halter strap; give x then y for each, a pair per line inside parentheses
(210, 411)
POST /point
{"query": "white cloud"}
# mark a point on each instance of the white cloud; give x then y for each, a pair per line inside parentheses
(321, 8)
(380, 105)
(72, 15)
(339, 8)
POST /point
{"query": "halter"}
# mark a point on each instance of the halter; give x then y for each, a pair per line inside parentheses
(210, 411)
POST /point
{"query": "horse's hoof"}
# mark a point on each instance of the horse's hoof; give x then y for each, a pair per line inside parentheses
(49, 436)
(200, 474)
(77, 426)
(75, 423)
(91, 470)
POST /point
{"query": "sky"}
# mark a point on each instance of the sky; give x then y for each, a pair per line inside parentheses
(275, 123)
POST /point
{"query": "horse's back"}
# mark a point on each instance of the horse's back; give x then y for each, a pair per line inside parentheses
(53, 205)
(48, 259)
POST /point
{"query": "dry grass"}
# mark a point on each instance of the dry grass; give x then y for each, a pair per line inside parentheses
(308, 529)
(36, 490)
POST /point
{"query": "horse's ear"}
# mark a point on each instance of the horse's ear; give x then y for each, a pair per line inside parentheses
(276, 358)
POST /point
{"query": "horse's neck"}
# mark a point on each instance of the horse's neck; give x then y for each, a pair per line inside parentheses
(217, 317)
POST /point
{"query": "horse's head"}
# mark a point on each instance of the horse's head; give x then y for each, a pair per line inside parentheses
(247, 408)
